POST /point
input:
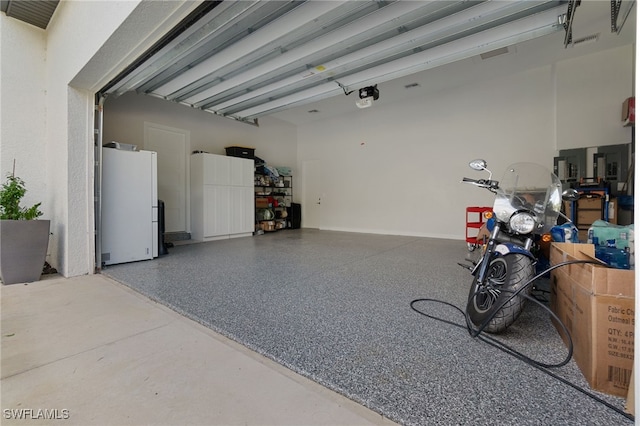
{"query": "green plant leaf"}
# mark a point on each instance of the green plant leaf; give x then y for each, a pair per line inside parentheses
(11, 193)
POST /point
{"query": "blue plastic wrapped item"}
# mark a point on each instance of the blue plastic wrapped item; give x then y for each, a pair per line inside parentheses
(600, 232)
(269, 171)
(284, 171)
(565, 233)
(612, 256)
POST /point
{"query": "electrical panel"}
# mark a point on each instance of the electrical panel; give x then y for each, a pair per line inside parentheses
(611, 164)
(570, 165)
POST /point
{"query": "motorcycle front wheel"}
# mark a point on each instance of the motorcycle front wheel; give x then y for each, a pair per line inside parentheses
(505, 276)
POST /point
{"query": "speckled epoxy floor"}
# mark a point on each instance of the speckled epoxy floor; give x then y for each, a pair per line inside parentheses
(334, 307)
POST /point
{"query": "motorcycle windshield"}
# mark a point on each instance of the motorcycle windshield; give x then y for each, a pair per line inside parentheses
(531, 188)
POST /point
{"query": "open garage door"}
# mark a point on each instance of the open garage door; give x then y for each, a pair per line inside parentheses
(247, 59)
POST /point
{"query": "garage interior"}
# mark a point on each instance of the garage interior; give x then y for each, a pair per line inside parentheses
(292, 106)
(331, 300)
(382, 208)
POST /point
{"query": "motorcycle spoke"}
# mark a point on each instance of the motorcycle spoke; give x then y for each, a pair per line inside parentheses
(488, 294)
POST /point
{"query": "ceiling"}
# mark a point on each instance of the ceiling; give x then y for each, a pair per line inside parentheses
(34, 12)
(591, 18)
(296, 60)
(247, 59)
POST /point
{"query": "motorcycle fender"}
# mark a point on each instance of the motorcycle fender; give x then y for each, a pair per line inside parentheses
(509, 248)
(505, 249)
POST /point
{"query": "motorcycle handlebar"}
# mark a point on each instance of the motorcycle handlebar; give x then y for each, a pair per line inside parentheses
(483, 183)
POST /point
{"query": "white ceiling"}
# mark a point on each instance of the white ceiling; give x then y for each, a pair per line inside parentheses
(249, 59)
(591, 17)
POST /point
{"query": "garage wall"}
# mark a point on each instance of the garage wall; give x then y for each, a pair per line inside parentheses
(590, 92)
(396, 168)
(124, 118)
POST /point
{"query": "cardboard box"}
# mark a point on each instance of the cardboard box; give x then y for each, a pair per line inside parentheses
(262, 203)
(596, 304)
(590, 203)
(629, 111)
(587, 217)
(268, 225)
(583, 234)
(630, 406)
(589, 209)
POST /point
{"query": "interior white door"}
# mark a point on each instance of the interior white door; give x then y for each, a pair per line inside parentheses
(312, 207)
(173, 146)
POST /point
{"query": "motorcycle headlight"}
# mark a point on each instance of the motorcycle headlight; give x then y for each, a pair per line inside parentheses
(522, 223)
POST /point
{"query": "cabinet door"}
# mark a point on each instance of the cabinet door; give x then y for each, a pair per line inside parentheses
(248, 173)
(216, 210)
(216, 169)
(242, 171)
(242, 209)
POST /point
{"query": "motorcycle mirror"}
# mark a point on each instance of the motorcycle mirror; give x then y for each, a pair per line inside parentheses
(478, 164)
(570, 194)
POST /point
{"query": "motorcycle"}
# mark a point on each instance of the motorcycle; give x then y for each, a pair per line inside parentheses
(527, 204)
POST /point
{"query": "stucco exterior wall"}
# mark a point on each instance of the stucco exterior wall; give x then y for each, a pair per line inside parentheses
(22, 107)
(76, 32)
(48, 81)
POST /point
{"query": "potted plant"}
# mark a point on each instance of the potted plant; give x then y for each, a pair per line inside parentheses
(23, 239)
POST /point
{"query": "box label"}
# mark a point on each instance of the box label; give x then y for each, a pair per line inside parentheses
(617, 330)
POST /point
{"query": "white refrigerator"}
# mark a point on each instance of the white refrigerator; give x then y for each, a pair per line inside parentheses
(129, 205)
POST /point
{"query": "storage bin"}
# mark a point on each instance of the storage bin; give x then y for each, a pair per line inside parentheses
(240, 151)
(625, 202)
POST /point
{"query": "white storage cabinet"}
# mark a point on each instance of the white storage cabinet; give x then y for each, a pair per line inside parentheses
(222, 200)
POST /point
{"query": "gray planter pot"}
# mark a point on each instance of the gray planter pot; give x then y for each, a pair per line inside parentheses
(23, 249)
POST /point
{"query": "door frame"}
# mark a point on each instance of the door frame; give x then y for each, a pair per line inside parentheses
(312, 214)
(187, 163)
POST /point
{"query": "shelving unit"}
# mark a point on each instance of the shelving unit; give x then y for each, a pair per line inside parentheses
(474, 221)
(273, 202)
(592, 205)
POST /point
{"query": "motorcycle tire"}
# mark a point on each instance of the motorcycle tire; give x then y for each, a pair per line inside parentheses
(510, 273)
